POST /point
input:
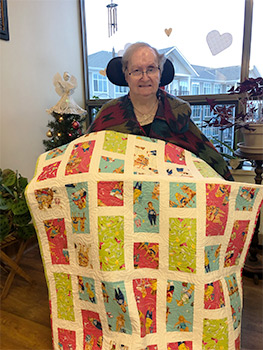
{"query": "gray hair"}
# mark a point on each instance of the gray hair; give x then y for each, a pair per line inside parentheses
(134, 47)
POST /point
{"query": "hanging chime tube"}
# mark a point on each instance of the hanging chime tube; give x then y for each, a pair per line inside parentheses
(112, 18)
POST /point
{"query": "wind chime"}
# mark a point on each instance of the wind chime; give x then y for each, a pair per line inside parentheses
(112, 18)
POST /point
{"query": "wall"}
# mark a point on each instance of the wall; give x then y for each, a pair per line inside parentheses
(44, 39)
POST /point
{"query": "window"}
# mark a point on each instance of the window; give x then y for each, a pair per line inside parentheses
(207, 88)
(183, 88)
(99, 83)
(217, 89)
(195, 88)
(200, 67)
(121, 89)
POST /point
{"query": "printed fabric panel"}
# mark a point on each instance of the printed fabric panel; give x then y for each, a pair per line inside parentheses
(143, 245)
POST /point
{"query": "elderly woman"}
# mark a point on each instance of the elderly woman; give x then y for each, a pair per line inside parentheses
(150, 111)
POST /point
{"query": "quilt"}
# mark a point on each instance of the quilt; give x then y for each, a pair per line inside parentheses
(142, 243)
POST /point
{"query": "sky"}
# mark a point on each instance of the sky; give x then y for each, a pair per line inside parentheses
(188, 21)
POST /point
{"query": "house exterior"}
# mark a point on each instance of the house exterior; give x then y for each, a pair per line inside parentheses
(189, 79)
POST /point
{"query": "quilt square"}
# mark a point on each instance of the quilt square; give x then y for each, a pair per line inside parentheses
(65, 305)
(215, 334)
(66, 339)
(182, 195)
(114, 345)
(235, 301)
(111, 243)
(115, 142)
(180, 345)
(79, 160)
(177, 171)
(116, 306)
(145, 160)
(49, 171)
(110, 193)
(174, 154)
(47, 198)
(146, 289)
(111, 165)
(79, 206)
(87, 289)
(182, 245)
(92, 330)
(146, 255)
(83, 254)
(205, 169)
(179, 306)
(246, 198)
(214, 296)
(57, 239)
(217, 207)
(238, 343)
(212, 256)
(236, 242)
(56, 152)
(146, 206)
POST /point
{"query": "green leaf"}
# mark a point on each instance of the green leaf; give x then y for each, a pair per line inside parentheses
(3, 204)
(22, 220)
(26, 232)
(9, 177)
(9, 202)
(6, 189)
(19, 207)
(22, 182)
(4, 226)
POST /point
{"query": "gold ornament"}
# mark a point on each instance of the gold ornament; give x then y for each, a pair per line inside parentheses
(60, 119)
(59, 134)
(49, 133)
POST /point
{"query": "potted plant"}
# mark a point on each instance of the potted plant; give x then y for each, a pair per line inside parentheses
(250, 117)
(15, 217)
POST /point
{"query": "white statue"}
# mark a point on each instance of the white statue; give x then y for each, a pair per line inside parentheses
(65, 88)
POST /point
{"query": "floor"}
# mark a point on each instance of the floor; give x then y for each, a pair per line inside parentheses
(25, 312)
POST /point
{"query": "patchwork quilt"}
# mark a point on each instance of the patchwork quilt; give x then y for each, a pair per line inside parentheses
(143, 245)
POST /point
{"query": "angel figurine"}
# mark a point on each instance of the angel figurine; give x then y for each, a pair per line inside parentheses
(65, 88)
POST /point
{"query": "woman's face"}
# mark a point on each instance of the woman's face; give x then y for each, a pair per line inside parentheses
(144, 84)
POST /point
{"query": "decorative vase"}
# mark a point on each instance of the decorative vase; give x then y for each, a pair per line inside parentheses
(253, 139)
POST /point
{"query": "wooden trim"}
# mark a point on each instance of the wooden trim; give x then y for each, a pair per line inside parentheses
(84, 55)
(4, 30)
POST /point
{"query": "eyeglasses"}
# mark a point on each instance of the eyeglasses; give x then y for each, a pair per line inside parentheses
(149, 71)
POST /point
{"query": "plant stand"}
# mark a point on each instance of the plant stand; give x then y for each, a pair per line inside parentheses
(254, 263)
(13, 264)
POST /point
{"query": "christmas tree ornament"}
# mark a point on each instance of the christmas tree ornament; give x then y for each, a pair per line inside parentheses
(60, 119)
(49, 133)
(75, 124)
(59, 134)
(69, 134)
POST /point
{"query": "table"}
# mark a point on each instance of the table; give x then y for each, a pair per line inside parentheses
(13, 263)
(254, 263)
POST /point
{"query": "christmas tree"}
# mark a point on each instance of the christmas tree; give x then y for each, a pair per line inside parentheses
(68, 116)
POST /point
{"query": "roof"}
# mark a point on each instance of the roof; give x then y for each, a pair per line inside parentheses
(100, 60)
(221, 74)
